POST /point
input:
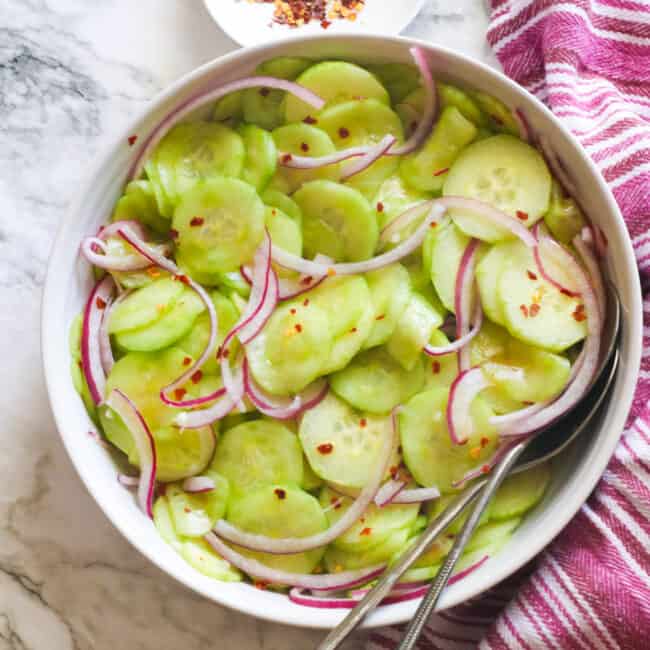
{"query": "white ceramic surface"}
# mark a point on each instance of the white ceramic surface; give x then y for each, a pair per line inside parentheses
(68, 281)
(251, 23)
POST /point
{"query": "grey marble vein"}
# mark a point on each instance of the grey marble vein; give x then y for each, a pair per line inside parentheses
(71, 74)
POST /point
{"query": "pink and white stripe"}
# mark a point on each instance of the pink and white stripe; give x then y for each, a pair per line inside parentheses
(589, 60)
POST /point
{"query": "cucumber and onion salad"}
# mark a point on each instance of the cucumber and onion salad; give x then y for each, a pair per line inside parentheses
(267, 340)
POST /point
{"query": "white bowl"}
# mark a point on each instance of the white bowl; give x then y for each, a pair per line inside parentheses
(69, 280)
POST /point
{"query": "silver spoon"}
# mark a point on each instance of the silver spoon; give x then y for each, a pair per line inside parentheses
(525, 455)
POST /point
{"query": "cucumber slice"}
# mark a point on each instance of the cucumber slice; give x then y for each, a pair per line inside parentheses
(447, 248)
(275, 199)
(303, 140)
(200, 555)
(285, 232)
(229, 108)
(504, 172)
(437, 552)
(341, 445)
(399, 79)
(256, 453)
(139, 202)
(374, 382)
(521, 492)
(390, 292)
(292, 349)
(434, 508)
(337, 559)
(488, 272)
(284, 67)
(429, 454)
(450, 95)
(490, 343)
(310, 481)
(395, 197)
(376, 525)
(440, 372)
(234, 283)
(413, 331)
(232, 225)
(280, 510)
(335, 82)
(337, 221)
(426, 169)
(563, 218)
(499, 115)
(145, 306)
(261, 156)
(162, 519)
(194, 151)
(492, 534)
(359, 123)
(194, 515)
(168, 329)
(80, 385)
(163, 201)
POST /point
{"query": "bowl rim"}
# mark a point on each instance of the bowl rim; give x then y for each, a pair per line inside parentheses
(394, 613)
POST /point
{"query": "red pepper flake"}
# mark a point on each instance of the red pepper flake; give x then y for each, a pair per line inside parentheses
(366, 531)
(485, 441)
(579, 314)
(531, 275)
(440, 172)
(307, 281)
(380, 317)
(344, 133)
(186, 509)
(265, 92)
(353, 330)
(197, 221)
(485, 469)
(524, 310)
(380, 207)
(566, 292)
(325, 23)
(435, 367)
(305, 302)
(534, 310)
(179, 393)
(280, 493)
(287, 158)
(196, 377)
(325, 448)
(310, 120)
(226, 353)
(183, 278)
(337, 502)
(132, 140)
(173, 233)
(298, 327)
(81, 365)
(304, 147)
(101, 304)
(187, 361)
(292, 311)
(527, 403)
(260, 584)
(433, 224)
(414, 126)
(523, 216)
(363, 422)
(393, 471)
(497, 119)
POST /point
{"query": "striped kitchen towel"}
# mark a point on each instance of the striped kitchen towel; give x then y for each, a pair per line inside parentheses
(589, 60)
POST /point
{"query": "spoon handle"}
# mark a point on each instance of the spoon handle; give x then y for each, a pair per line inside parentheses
(433, 595)
(388, 580)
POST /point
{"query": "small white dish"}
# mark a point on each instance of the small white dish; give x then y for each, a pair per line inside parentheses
(251, 23)
(69, 279)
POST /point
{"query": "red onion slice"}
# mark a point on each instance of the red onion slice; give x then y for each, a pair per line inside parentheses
(416, 495)
(463, 341)
(557, 167)
(390, 232)
(463, 298)
(105, 350)
(465, 388)
(590, 262)
(600, 240)
(91, 358)
(90, 246)
(128, 481)
(198, 484)
(313, 268)
(283, 408)
(294, 161)
(144, 444)
(525, 132)
(112, 229)
(373, 154)
(266, 308)
(388, 492)
(429, 109)
(289, 545)
(539, 262)
(213, 95)
(322, 582)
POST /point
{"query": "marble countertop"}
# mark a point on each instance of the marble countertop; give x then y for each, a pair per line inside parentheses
(71, 74)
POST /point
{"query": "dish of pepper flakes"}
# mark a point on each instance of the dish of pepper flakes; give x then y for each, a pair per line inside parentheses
(296, 13)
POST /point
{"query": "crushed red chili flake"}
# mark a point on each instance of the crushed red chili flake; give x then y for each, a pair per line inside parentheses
(287, 158)
(363, 422)
(187, 361)
(523, 216)
(435, 367)
(531, 275)
(226, 353)
(325, 448)
(310, 120)
(173, 233)
(304, 147)
(260, 584)
(497, 119)
(393, 471)
(280, 493)
(524, 310)
(197, 221)
(132, 140)
(353, 330)
(325, 24)
(534, 310)
(298, 327)
(186, 509)
(380, 317)
(485, 469)
(414, 126)
(485, 441)
(292, 311)
(440, 172)
(380, 207)
(183, 278)
(366, 531)
(433, 224)
(274, 212)
(179, 393)
(265, 92)
(344, 133)
(81, 365)
(101, 304)
(196, 377)
(305, 302)
(566, 292)
(579, 314)
(307, 280)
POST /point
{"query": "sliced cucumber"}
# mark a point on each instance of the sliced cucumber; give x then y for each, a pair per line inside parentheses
(220, 224)
(440, 372)
(139, 202)
(390, 292)
(427, 169)
(339, 560)
(258, 453)
(335, 82)
(263, 107)
(499, 116)
(399, 79)
(280, 510)
(358, 123)
(450, 95)
(434, 508)
(504, 172)
(374, 382)
(284, 67)
(521, 492)
(302, 140)
(341, 445)
(229, 107)
(310, 481)
(413, 331)
(200, 555)
(395, 197)
(285, 232)
(292, 349)
(337, 221)
(563, 218)
(275, 199)
(491, 534)
(428, 451)
(261, 156)
(164, 523)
